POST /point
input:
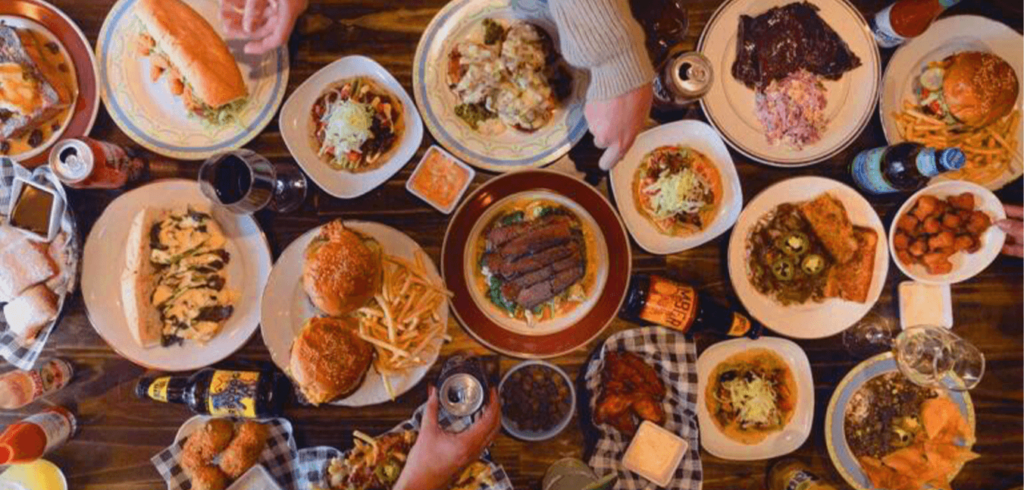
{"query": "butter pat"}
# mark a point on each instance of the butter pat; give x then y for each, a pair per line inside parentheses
(655, 453)
(925, 304)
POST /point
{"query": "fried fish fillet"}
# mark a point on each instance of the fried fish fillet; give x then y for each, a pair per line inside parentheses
(852, 280)
(832, 226)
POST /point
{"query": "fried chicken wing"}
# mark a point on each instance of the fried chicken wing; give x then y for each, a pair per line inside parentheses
(244, 451)
(648, 408)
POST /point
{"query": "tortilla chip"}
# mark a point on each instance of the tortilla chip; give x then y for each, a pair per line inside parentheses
(881, 476)
(908, 460)
(939, 413)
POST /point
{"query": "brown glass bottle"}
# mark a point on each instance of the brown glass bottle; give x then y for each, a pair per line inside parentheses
(665, 302)
(251, 394)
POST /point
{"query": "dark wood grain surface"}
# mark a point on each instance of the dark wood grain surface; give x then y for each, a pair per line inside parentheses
(119, 433)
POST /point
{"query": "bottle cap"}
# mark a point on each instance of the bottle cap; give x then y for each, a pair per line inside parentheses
(952, 159)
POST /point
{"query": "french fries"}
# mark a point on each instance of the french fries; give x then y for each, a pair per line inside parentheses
(991, 150)
(402, 322)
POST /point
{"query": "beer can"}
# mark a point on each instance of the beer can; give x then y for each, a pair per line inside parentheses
(685, 78)
(85, 163)
(462, 385)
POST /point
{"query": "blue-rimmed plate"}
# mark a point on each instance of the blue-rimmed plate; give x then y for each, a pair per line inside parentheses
(512, 149)
(152, 117)
(835, 438)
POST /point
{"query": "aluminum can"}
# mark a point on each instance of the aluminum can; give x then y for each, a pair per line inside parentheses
(684, 79)
(462, 385)
(85, 163)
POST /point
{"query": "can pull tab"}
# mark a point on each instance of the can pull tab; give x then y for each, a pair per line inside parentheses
(71, 160)
(691, 76)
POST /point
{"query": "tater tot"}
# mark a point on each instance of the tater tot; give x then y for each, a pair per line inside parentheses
(932, 225)
(942, 240)
(978, 223)
(951, 220)
(209, 478)
(963, 242)
(925, 206)
(900, 241)
(244, 451)
(963, 201)
(907, 223)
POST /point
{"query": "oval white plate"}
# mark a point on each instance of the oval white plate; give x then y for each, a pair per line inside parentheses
(470, 267)
(792, 436)
(104, 259)
(152, 117)
(729, 104)
(297, 128)
(810, 320)
(965, 265)
(948, 36)
(511, 150)
(286, 308)
(700, 137)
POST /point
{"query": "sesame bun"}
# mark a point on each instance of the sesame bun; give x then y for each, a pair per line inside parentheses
(328, 359)
(342, 269)
(979, 88)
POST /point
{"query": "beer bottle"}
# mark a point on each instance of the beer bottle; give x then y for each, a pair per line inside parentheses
(902, 167)
(250, 394)
(791, 474)
(905, 19)
(662, 301)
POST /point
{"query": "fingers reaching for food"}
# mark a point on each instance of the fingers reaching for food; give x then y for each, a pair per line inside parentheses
(1014, 228)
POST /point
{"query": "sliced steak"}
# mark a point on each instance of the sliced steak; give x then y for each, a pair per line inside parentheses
(535, 240)
(510, 269)
(512, 288)
(542, 291)
(503, 234)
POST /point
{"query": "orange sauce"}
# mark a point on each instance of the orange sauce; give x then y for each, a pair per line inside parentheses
(439, 179)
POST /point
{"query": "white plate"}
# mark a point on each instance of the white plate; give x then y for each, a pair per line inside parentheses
(948, 36)
(965, 265)
(777, 444)
(458, 163)
(811, 320)
(157, 120)
(286, 309)
(511, 150)
(700, 137)
(729, 104)
(104, 259)
(297, 128)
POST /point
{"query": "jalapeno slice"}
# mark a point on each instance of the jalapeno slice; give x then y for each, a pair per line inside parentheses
(813, 264)
(793, 243)
(784, 269)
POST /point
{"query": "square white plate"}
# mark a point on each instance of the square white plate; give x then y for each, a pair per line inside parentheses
(784, 442)
(462, 191)
(700, 137)
(297, 128)
(945, 306)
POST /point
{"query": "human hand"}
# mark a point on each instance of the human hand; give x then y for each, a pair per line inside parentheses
(616, 122)
(1014, 228)
(438, 456)
(265, 23)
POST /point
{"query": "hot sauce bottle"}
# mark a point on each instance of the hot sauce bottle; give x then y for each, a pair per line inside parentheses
(250, 394)
(664, 302)
(30, 439)
(905, 19)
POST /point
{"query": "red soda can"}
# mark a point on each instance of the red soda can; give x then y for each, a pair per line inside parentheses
(85, 163)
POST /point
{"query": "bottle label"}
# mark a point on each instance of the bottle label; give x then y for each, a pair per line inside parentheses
(51, 377)
(867, 172)
(158, 389)
(800, 480)
(670, 304)
(740, 325)
(233, 394)
(926, 163)
(952, 159)
(881, 26)
(56, 425)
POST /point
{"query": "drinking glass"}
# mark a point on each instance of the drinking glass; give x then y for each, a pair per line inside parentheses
(872, 335)
(244, 182)
(937, 358)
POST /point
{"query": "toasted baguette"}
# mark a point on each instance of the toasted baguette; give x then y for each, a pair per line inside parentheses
(136, 282)
(195, 49)
(852, 280)
(832, 226)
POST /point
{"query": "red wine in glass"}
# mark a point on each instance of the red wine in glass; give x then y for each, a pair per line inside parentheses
(244, 182)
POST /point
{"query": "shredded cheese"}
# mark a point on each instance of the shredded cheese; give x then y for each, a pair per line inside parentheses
(679, 192)
(347, 127)
(754, 399)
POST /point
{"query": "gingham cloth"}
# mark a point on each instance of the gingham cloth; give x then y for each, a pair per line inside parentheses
(24, 355)
(278, 458)
(675, 359)
(311, 468)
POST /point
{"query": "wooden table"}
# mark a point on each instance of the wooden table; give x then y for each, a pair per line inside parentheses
(119, 433)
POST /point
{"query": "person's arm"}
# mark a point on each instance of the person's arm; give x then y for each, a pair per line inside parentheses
(603, 37)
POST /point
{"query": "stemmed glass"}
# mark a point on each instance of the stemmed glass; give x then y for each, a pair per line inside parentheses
(244, 182)
(937, 358)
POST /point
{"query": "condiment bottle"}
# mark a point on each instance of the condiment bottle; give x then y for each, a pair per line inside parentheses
(251, 394)
(791, 474)
(19, 388)
(35, 436)
(902, 167)
(905, 19)
(658, 300)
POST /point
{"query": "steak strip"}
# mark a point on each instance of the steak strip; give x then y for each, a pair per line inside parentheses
(542, 291)
(503, 234)
(510, 269)
(510, 290)
(536, 240)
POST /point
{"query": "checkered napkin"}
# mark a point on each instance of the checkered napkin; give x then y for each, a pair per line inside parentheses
(278, 458)
(675, 359)
(20, 354)
(311, 469)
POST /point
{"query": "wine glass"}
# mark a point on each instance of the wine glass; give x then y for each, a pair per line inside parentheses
(872, 335)
(937, 358)
(244, 182)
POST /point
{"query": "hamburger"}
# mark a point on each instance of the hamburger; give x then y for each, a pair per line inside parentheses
(328, 359)
(970, 88)
(342, 269)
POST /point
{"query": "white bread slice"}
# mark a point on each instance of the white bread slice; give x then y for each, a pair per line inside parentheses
(195, 49)
(136, 282)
